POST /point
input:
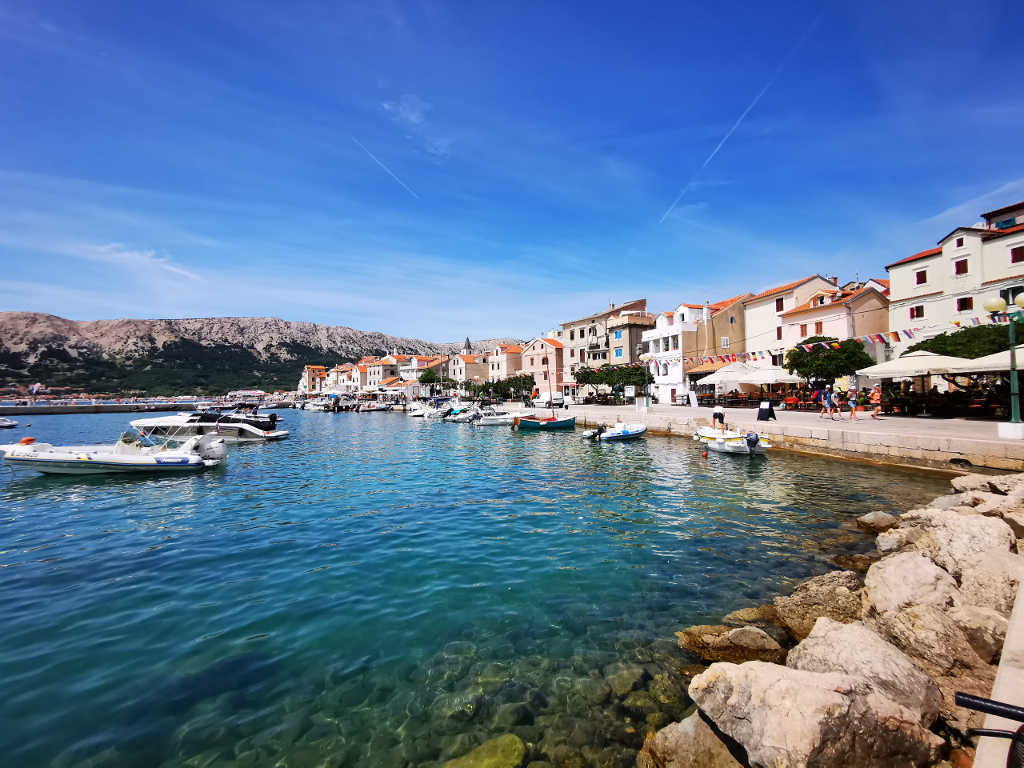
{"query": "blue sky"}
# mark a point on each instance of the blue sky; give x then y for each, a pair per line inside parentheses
(443, 169)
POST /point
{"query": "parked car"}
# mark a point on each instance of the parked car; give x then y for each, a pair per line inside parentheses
(544, 400)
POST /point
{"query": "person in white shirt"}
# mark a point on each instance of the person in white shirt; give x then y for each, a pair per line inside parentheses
(718, 417)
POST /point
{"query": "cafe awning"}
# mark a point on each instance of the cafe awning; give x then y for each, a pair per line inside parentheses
(919, 363)
(995, 363)
(742, 373)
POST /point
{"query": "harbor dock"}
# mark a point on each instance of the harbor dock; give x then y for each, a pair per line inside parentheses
(942, 444)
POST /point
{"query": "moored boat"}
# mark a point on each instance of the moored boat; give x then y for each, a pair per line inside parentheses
(233, 427)
(618, 432)
(491, 417)
(729, 441)
(7, 423)
(537, 423)
(131, 453)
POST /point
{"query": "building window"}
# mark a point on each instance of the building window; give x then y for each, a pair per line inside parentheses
(803, 330)
(731, 319)
(777, 360)
(675, 342)
(618, 351)
(959, 242)
(671, 319)
(817, 327)
(1009, 294)
(545, 375)
(921, 276)
(531, 361)
(778, 306)
(618, 334)
(572, 352)
(1017, 254)
(778, 333)
(965, 304)
(572, 335)
(916, 313)
(960, 267)
(725, 342)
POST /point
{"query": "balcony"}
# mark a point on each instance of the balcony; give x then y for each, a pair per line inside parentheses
(644, 319)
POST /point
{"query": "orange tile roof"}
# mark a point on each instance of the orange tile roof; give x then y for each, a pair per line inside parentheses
(1000, 232)
(553, 343)
(368, 359)
(809, 308)
(390, 380)
(469, 358)
(916, 256)
(779, 289)
(362, 368)
(881, 281)
(512, 349)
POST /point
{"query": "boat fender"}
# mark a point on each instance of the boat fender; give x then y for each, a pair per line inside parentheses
(752, 440)
(515, 423)
(26, 441)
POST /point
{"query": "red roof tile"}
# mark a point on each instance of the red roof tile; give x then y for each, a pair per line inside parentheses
(779, 289)
(916, 256)
(553, 343)
(807, 307)
(1000, 232)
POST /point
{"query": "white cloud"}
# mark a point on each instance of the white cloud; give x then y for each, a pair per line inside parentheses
(410, 109)
(114, 253)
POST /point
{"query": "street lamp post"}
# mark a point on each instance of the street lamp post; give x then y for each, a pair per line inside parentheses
(996, 307)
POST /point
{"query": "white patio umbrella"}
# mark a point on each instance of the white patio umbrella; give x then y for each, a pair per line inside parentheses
(729, 374)
(920, 363)
(995, 363)
(742, 373)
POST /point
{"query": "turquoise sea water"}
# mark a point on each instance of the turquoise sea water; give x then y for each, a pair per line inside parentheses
(379, 590)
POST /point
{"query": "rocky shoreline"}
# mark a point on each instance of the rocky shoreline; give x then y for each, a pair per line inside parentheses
(860, 669)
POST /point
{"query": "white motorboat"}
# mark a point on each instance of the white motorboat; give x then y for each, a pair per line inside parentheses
(374, 406)
(491, 417)
(437, 413)
(321, 404)
(131, 453)
(464, 415)
(619, 431)
(233, 427)
(729, 441)
(417, 409)
(7, 423)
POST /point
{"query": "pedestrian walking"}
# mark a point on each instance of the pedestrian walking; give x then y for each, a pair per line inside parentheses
(825, 398)
(876, 401)
(836, 403)
(851, 399)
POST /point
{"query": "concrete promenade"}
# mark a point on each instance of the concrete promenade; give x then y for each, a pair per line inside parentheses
(950, 444)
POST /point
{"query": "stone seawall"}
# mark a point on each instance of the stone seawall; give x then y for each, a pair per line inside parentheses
(919, 443)
(862, 670)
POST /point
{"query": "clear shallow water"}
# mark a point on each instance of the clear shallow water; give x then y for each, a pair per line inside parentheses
(380, 590)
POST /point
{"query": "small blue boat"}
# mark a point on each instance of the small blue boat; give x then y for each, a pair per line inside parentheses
(536, 423)
(619, 432)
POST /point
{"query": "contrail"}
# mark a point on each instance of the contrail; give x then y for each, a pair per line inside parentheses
(743, 115)
(387, 170)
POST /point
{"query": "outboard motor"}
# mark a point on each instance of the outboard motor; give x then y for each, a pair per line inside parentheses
(211, 447)
(600, 431)
(273, 421)
(752, 440)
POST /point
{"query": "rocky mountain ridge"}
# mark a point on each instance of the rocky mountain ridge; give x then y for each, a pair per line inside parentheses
(114, 354)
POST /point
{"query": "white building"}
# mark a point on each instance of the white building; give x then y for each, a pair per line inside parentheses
(857, 309)
(504, 361)
(763, 316)
(933, 289)
(664, 349)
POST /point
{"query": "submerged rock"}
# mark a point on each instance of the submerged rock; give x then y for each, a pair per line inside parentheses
(853, 649)
(622, 678)
(720, 643)
(506, 751)
(789, 717)
(691, 743)
(835, 595)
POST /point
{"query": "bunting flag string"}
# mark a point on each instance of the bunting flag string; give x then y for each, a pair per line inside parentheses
(884, 337)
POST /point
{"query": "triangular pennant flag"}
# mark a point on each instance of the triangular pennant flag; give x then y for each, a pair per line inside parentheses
(835, 345)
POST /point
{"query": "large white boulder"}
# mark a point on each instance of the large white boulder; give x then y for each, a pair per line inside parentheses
(950, 539)
(935, 641)
(835, 594)
(991, 580)
(691, 743)
(787, 717)
(984, 628)
(904, 579)
(854, 649)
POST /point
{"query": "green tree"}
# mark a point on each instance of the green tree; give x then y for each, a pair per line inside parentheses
(821, 364)
(976, 341)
